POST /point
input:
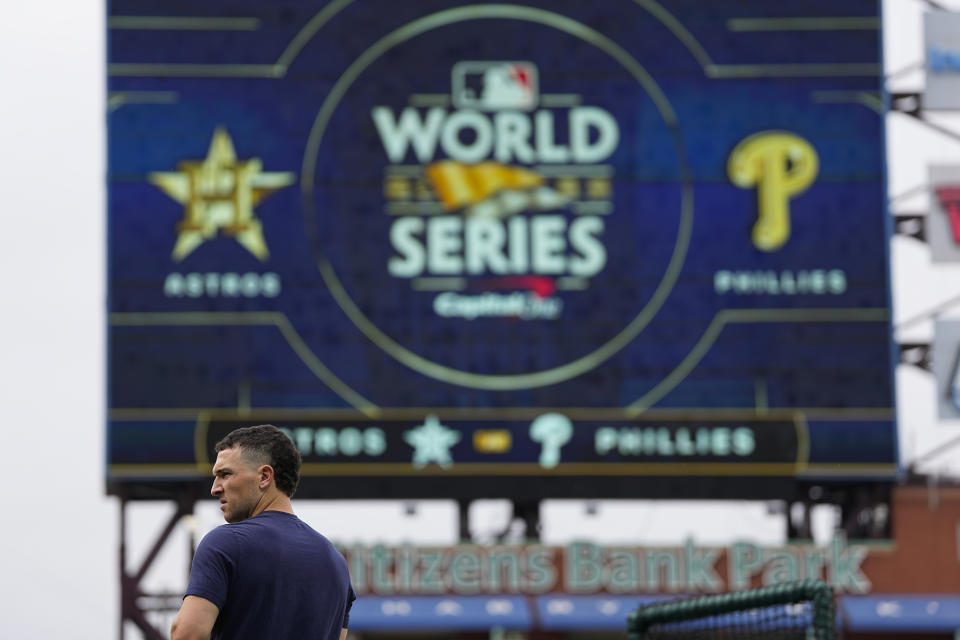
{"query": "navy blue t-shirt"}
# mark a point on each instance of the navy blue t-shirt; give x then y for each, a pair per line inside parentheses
(272, 576)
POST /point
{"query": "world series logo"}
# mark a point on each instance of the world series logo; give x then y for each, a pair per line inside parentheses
(486, 211)
(497, 200)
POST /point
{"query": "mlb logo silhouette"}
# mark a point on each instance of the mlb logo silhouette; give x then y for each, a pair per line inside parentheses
(492, 86)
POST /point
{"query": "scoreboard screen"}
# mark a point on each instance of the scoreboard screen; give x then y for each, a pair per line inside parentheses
(533, 248)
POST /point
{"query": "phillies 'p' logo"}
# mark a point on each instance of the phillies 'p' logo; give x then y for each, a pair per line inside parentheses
(780, 165)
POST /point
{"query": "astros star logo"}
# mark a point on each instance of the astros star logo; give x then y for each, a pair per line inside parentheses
(431, 442)
(219, 194)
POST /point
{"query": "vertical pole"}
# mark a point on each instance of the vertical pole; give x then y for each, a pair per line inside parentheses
(123, 562)
(463, 506)
(528, 511)
(189, 521)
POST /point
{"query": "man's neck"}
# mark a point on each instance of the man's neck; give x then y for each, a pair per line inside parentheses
(273, 501)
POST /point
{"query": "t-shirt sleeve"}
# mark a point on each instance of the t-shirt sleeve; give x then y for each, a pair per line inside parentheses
(211, 569)
(351, 596)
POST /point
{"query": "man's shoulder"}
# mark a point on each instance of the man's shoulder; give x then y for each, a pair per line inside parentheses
(219, 537)
(233, 534)
(284, 521)
(258, 524)
(253, 531)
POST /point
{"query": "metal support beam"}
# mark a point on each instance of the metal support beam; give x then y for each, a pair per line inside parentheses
(529, 513)
(799, 520)
(911, 103)
(463, 509)
(132, 596)
(865, 512)
(917, 354)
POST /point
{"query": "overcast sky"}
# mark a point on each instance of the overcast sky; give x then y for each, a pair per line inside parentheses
(59, 536)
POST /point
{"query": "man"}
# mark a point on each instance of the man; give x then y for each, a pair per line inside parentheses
(266, 574)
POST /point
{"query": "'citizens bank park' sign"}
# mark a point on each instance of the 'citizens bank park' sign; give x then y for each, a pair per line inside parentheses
(566, 248)
(586, 568)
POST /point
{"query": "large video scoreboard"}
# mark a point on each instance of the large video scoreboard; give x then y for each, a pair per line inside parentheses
(531, 249)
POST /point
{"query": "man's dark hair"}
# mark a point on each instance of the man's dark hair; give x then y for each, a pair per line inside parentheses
(266, 444)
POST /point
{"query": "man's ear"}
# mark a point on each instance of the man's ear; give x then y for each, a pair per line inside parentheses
(266, 475)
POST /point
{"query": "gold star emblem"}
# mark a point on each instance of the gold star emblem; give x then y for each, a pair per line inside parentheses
(219, 194)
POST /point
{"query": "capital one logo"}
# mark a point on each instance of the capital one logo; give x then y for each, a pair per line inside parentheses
(484, 198)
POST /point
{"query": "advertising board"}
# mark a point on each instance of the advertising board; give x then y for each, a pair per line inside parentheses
(524, 249)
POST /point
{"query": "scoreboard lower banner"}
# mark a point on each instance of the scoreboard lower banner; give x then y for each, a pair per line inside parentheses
(541, 249)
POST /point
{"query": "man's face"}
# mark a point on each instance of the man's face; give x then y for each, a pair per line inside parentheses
(236, 484)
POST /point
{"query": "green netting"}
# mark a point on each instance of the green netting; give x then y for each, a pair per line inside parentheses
(793, 611)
